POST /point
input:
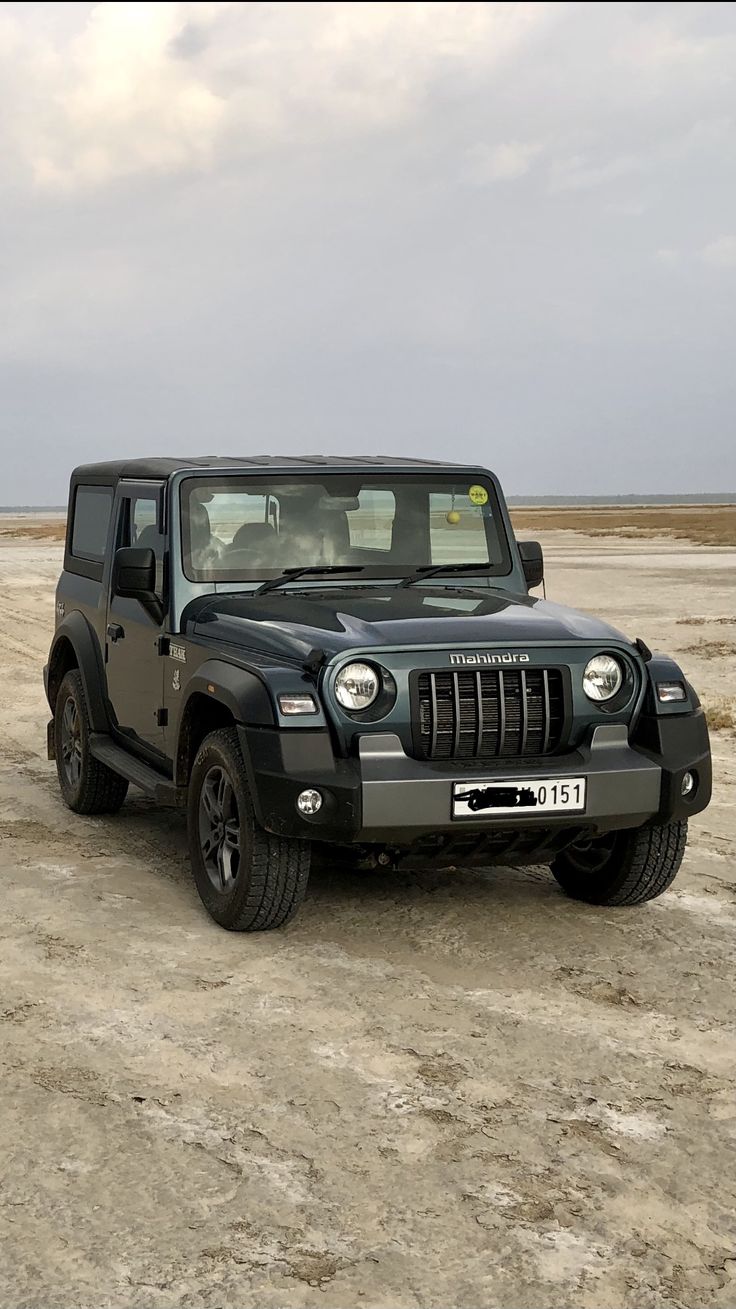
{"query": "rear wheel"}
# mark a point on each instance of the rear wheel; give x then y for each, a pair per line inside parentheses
(88, 787)
(248, 880)
(623, 868)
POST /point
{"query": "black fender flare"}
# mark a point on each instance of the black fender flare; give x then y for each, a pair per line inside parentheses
(241, 691)
(663, 668)
(80, 634)
(675, 735)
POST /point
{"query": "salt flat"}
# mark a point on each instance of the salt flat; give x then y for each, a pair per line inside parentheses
(429, 1090)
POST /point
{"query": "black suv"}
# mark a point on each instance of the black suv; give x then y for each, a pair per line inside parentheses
(345, 651)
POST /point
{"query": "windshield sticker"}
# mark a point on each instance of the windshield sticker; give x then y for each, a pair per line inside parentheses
(478, 495)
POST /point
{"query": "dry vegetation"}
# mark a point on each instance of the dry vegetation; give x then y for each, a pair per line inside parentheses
(711, 649)
(701, 524)
(720, 712)
(18, 529)
(701, 622)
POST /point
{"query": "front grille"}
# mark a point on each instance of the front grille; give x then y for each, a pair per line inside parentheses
(490, 714)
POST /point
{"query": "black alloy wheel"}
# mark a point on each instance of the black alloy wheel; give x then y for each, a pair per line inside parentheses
(219, 829)
(591, 854)
(248, 879)
(71, 742)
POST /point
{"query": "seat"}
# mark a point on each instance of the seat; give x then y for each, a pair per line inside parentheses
(149, 537)
(205, 548)
(252, 535)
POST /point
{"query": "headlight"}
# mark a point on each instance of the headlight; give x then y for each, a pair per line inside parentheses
(356, 686)
(602, 678)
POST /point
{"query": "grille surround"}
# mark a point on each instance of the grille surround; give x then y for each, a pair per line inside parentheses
(466, 716)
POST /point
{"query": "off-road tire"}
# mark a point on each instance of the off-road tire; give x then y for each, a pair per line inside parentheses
(641, 864)
(94, 788)
(272, 872)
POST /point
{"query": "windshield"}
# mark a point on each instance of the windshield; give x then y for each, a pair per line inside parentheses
(252, 528)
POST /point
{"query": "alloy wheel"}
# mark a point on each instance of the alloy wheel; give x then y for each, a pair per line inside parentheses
(591, 855)
(219, 829)
(71, 742)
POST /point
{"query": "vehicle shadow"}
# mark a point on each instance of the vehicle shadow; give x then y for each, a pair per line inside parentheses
(344, 901)
(338, 884)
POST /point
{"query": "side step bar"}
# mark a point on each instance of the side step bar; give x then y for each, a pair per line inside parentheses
(140, 774)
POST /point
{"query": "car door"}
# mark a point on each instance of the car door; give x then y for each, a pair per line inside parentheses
(135, 669)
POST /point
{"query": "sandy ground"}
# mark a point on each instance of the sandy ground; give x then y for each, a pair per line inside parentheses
(456, 1089)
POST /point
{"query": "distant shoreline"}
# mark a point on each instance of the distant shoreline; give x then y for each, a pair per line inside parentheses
(709, 498)
(714, 498)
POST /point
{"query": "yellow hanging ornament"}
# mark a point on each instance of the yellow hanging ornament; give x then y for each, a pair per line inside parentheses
(452, 514)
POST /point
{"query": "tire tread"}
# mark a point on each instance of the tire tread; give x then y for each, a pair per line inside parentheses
(101, 791)
(644, 865)
(279, 867)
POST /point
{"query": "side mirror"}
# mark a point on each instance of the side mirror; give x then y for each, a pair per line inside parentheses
(134, 573)
(532, 561)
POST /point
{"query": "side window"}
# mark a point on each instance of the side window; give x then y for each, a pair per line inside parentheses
(92, 509)
(140, 524)
(371, 524)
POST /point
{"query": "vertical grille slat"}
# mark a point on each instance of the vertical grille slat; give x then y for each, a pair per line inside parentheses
(479, 714)
(458, 715)
(433, 714)
(489, 713)
(501, 714)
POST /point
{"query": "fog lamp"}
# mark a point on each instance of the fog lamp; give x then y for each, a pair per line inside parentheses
(688, 784)
(309, 802)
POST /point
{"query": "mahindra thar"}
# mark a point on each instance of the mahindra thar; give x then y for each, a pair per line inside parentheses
(346, 652)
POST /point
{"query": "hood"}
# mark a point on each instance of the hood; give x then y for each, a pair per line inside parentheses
(292, 624)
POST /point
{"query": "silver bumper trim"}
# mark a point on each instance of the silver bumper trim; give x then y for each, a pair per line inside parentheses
(406, 794)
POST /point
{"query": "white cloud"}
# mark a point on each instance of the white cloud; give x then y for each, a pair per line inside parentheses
(500, 163)
(117, 100)
(720, 253)
(668, 256)
(144, 87)
(583, 173)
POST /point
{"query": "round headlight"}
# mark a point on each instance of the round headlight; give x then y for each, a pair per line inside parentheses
(602, 678)
(356, 686)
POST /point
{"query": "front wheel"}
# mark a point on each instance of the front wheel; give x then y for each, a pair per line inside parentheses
(248, 880)
(622, 868)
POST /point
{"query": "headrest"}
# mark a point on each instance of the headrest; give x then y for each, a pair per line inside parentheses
(200, 531)
(252, 534)
(148, 536)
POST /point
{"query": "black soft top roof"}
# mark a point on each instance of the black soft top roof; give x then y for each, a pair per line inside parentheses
(147, 469)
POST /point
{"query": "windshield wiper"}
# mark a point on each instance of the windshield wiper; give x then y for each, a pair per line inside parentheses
(291, 574)
(433, 570)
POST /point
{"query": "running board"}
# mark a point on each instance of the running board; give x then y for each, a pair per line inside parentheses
(134, 770)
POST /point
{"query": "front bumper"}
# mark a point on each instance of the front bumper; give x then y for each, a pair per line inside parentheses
(384, 796)
(623, 788)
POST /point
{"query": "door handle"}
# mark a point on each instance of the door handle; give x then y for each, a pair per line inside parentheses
(115, 632)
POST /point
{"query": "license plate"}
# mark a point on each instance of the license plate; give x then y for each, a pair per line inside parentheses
(499, 799)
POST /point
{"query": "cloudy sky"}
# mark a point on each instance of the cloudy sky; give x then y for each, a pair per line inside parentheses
(497, 232)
